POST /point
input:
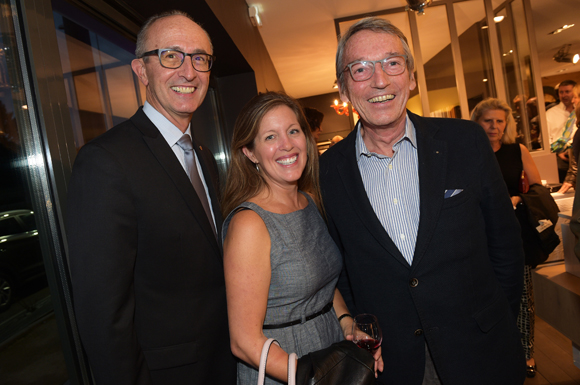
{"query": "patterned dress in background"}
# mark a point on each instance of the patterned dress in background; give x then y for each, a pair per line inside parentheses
(509, 157)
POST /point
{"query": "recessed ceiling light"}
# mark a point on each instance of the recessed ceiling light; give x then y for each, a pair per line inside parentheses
(497, 19)
(576, 58)
(484, 80)
(484, 27)
(562, 70)
(562, 28)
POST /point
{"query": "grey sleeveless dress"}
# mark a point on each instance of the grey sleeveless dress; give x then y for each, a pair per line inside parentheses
(305, 267)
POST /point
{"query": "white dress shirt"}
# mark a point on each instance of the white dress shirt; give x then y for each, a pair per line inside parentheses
(172, 134)
(392, 185)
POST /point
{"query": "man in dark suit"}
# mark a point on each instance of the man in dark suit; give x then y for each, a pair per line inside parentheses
(146, 266)
(422, 216)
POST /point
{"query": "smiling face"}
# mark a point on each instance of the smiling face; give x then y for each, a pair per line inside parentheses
(381, 100)
(279, 148)
(175, 93)
(494, 124)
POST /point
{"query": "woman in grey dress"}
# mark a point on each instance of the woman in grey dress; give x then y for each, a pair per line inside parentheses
(281, 266)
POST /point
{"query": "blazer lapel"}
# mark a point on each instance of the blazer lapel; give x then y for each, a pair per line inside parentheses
(205, 158)
(351, 179)
(173, 168)
(432, 155)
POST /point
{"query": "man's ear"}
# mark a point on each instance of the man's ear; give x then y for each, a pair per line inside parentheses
(412, 83)
(343, 92)
(138, 66)
(249, 154)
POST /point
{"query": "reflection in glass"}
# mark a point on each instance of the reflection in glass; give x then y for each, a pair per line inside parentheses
(474, 46)
(30, 350)
(524, 102)
(438, 63)
(101, 88)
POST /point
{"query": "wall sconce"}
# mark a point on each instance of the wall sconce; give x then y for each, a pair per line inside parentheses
(255, 16)
(341, 109)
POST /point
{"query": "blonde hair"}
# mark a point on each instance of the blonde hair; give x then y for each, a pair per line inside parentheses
(244, 181)
(510, 133)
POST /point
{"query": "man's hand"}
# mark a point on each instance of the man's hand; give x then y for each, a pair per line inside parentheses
(565, 187)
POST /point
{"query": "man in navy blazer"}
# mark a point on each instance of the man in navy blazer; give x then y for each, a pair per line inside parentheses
(422, 216)
(146, 266)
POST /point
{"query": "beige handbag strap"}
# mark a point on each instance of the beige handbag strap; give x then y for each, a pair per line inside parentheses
(292, 357)
(264, 358)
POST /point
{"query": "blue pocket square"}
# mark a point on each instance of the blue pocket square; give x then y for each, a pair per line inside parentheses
(452, 193)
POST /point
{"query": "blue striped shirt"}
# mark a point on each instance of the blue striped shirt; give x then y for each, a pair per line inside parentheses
(392, 185)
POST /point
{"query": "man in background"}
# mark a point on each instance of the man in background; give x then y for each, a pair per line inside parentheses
(314, 118)
(143, 222)
(557, 117)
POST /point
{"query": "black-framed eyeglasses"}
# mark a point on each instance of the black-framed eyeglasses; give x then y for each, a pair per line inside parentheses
(172, 58)
(362, 70)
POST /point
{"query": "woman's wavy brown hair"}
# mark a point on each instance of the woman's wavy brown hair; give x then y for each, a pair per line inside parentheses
(244, 181)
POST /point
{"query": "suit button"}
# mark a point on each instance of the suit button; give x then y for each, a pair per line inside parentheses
(414, 282)
(418, 332)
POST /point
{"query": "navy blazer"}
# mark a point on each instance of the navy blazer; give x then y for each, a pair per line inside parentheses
(146, 268)
(461, 295)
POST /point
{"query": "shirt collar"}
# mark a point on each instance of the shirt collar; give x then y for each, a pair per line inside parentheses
(168, 130)
(361, 148)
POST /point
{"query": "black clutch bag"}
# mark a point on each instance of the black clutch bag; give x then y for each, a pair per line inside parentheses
(342, 363)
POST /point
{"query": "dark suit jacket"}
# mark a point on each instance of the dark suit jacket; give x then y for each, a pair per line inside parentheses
(147, 272)
(467, 268)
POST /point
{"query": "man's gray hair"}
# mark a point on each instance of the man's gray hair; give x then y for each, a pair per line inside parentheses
(142, 36)
(373, 24)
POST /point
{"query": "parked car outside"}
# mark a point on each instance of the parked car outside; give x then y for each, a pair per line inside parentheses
(20, 254)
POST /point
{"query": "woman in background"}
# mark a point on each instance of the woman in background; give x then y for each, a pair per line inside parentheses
(281, 265)
(495, 116)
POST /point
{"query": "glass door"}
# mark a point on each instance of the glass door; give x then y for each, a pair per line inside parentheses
(30, 346)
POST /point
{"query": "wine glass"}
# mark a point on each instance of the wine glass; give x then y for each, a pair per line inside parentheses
(366, 332)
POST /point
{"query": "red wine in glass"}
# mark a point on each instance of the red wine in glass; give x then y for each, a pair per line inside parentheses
(369, 344)
(366, 332)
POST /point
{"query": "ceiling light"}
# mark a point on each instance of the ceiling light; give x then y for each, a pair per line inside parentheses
(417, 5)
(562, 28)
(484, 80)
(255, 16)
(485, 27)
(564, 56)
(498, 19)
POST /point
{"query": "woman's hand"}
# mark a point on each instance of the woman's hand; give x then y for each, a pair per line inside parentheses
(516, 199)
(379, 364)
(377, 354)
